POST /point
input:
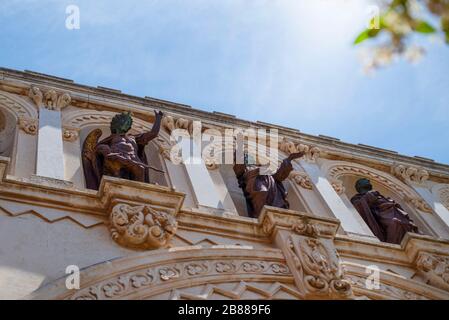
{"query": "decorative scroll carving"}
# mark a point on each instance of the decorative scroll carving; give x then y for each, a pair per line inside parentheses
(435, 269)
(301, 179)
(123, 284)
(70, 134)
(50, 99)
(319, 267)
(28, 125)
(141, 227)
(410, 174)
(311, 152)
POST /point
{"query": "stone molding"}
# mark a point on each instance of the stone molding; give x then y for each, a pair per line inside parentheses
(17, 107)
(144, 275)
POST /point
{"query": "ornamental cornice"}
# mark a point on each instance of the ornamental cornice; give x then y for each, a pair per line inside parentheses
(86, 97)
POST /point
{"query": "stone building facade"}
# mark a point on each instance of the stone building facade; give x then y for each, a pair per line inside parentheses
(208, 248)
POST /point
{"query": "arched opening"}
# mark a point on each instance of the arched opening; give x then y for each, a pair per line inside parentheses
(345, 175)
(151, 151)
(294, 197)
(8, 124)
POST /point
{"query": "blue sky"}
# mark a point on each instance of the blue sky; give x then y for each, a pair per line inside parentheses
(288, 62)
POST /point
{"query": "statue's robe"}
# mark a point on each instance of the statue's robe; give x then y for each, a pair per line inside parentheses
(260, 190)
(386, 218)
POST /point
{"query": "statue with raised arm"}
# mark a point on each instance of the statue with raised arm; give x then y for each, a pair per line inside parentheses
(260, 190)
(384, 216)
(120, 155)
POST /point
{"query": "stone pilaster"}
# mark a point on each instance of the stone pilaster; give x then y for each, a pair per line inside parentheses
(307, 243)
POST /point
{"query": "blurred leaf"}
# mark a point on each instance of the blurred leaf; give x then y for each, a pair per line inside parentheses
(366, 34)
(424, 27)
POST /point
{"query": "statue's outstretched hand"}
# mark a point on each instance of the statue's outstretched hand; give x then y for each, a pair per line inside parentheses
(295, 155)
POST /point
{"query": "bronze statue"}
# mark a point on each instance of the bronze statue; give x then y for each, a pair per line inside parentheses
(385, 217)
(120, 155)
(260, 190)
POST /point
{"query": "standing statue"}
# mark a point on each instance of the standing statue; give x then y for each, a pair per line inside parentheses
(385, 217)
(120, 155)
(260, 190)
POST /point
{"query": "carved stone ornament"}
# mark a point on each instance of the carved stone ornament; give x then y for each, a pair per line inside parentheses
(312, 153)
(141, 227)
(434, 269)
(29, 126)
(301, 179)
(50, 99)
(319, 267)
(410, 174)
(338, 186)
(170, 124)
(36, 95)
(70, 134)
